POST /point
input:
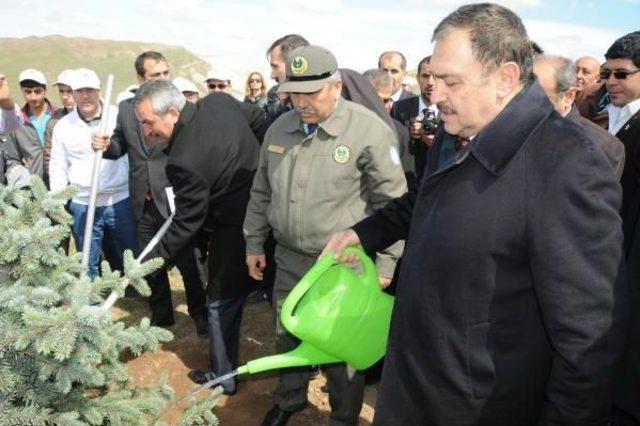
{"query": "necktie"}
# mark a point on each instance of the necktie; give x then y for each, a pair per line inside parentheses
(461, 143)
(311, 128)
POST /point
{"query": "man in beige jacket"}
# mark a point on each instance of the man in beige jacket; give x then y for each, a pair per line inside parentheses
(323, 167)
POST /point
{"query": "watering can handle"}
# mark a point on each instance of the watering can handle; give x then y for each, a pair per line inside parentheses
(369, 269)
(316, 272)
(301, 288)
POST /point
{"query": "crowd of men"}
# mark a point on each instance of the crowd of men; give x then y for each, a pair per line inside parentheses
(500, 204)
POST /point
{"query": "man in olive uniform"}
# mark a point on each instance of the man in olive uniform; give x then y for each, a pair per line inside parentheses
(324, 165)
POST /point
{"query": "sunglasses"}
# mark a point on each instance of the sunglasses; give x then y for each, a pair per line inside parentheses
(220, 86)
(255, 80)
(618, 74)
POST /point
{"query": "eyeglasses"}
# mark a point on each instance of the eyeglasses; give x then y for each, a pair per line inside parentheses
(618, 74)
(255, 80)
(220, 86)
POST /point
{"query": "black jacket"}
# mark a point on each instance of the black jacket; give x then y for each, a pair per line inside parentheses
(213, 155)
(627, 394)
(508, 308)
(404, 111)
(611, 146)
(147, 163)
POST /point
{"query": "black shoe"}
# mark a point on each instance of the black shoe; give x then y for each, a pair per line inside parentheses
(201, 377)
(202, 326)
(276, 417)
(163, 323)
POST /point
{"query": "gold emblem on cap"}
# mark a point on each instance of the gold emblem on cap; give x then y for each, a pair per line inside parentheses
(341, 154)
(298, 65)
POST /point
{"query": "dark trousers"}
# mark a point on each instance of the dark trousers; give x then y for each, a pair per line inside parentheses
(345, 395)
(190, 263)
(227, 291)
(621, 418)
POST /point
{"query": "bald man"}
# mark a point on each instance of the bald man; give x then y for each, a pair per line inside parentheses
(588, 86)
(558, 78)
(588, 72)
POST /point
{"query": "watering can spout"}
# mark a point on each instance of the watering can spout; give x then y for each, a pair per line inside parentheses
(303, 355)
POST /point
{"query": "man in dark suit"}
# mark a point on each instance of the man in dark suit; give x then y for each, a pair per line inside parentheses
(509, 305)
(413, 112)
(213, 155)
(621, 74)
(557, 77)
(395, 64)
(147, 183)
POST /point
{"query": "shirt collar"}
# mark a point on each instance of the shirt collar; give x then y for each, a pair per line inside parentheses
(26, 110)
(334, 125)
(397, 94)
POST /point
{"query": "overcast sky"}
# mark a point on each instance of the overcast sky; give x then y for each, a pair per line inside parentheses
(235, 36)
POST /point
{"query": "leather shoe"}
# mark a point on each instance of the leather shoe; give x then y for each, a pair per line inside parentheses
(201, 377)
(202, 326)
(276, 417)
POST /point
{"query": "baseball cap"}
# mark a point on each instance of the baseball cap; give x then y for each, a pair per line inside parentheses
(308, 69)
(217, 74)
(185, 85)
(84, 78)
(31, 74)
(65, 77)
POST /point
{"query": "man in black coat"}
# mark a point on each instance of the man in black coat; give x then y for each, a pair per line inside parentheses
(621, 75)
(213, 155)
(508, 308)
(147, 183)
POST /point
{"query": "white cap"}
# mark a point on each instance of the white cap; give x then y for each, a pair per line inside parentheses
(128, 93)
(185, 85)
(65, 77)
(31, 74)
(84, 78)
(217, 74)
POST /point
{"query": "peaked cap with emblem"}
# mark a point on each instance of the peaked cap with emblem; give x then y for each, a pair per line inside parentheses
(308, 69)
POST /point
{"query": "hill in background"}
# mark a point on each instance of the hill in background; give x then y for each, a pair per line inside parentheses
(52, 54)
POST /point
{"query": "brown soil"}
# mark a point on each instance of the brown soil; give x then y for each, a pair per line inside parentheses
(187, 351)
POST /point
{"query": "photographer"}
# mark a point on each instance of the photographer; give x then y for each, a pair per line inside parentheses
(420, 115)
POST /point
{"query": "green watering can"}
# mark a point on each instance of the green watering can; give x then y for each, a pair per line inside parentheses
(338, 314)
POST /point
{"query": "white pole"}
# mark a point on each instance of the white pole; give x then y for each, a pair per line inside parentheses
(95, 179)
(113, 297)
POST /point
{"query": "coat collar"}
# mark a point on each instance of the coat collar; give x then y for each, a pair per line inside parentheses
(26, 110)
(334, 125)
(186, 115)
(496, 145)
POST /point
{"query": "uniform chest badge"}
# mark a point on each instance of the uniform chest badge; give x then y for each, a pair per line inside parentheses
(341, 154)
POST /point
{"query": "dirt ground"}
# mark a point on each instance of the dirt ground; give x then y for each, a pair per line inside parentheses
(254, 397)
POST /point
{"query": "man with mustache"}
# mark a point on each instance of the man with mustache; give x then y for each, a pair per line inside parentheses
(510, 303)
(621, 76)
(323, 166)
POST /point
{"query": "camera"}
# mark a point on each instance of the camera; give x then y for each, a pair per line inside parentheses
(429, 122)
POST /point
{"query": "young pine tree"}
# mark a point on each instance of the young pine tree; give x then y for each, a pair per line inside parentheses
(60, 355)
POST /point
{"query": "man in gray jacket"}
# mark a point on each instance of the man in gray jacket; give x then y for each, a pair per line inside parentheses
(323, 166)
(25, 145)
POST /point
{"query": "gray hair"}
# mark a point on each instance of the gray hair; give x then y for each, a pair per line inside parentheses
(333, 78)
(565, 72)
(162, 94)
(378, 78)
(497, 36)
